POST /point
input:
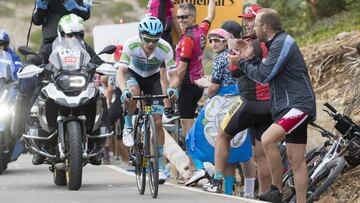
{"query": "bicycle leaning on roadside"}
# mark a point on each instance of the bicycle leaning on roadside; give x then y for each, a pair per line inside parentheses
(325, 163)
(144, 154)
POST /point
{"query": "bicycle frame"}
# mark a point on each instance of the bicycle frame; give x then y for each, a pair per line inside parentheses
(330, 155)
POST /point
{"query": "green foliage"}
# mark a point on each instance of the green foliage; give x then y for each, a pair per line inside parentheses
(35, 39)
(295, 14)
(307, 26)
(326, 28)
(114, 10)
(143, 3)
(327, 8)
(22, 2)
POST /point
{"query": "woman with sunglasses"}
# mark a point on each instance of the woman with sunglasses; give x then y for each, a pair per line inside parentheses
(139, 70)
(222, 83)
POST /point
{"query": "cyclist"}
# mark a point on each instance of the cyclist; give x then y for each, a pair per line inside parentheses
(292, 100)
(139, 70)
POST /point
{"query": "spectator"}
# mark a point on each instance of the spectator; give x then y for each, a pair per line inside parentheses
(189, 52)
(292, 100)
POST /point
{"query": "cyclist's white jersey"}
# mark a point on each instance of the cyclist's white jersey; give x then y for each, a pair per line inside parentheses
(134, 57)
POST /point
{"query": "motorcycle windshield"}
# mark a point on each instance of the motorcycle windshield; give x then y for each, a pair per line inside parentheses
(69, 54)
(6, 65)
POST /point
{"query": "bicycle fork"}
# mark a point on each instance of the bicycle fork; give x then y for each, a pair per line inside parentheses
(330, 155)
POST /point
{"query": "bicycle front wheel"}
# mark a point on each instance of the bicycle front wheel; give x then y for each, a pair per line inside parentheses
(312, 158)
(325, 178)
(152, 155)
(138, 158)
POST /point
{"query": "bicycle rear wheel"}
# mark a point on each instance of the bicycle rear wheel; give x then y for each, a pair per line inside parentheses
(138, 158)
(325, 178)
(152, 155)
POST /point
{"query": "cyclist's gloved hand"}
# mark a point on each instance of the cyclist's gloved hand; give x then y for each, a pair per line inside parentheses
(172, 93)
(70, 5)
(126, 95)
(42, 4)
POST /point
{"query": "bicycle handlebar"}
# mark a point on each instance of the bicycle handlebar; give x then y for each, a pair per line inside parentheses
(330, 107)
(144, 97)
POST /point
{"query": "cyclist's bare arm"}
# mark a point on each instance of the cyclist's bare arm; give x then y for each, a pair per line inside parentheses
(211, 11)
(121, 76)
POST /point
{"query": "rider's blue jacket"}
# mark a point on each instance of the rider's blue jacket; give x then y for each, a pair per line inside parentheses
(16, 61)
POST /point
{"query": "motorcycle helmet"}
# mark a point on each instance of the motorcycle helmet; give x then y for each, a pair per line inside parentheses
(4, 38)
(151, 26)
(70, 25)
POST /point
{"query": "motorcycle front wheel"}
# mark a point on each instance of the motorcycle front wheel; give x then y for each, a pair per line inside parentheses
(74, 161)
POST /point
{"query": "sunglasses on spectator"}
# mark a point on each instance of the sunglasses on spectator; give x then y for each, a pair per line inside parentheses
(150, 39)
(183, 17)
(216, 40)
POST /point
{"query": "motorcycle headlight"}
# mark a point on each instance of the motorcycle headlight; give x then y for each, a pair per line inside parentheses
(5, 111)
(71, 81)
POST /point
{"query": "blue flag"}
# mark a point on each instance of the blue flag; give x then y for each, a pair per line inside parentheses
(200, 140)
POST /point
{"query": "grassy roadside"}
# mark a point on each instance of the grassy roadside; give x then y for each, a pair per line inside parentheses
(329, 27)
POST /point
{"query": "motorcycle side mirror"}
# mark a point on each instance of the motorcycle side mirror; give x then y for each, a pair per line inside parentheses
(108, 50)
(29, 71)
(24, 50)
(107, 69)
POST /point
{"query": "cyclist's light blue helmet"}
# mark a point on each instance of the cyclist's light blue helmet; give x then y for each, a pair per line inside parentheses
(4, 37)
(150, 25)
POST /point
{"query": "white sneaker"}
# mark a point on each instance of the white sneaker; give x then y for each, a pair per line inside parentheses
(128, 137)
(197, 175)
(162, 176)
(166, 120)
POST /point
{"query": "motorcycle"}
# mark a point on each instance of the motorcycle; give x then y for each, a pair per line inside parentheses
(10, 147)
(66, 121)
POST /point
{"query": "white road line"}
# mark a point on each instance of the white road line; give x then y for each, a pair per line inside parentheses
(123, 171)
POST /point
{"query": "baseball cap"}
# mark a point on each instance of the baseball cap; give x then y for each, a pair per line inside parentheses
(250, 11)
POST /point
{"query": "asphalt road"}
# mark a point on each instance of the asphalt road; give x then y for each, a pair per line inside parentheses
(23, 182)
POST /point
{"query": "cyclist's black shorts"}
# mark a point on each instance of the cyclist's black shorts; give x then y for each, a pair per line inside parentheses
(150, 85)
(251, 114)
(295, 123)
(189, 96)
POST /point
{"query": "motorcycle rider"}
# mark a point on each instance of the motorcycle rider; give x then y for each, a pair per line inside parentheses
(7, 55)
(70, 26)
(47, 13)
(4, 45)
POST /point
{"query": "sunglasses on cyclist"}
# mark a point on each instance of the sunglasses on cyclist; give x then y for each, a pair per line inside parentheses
(183, 17)
(150, 39)
(216, 40)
